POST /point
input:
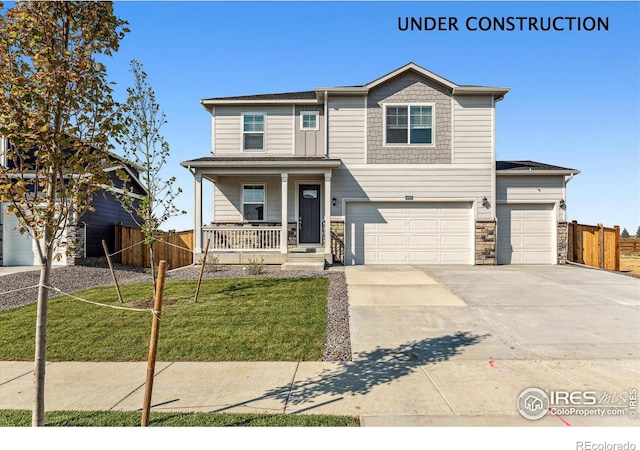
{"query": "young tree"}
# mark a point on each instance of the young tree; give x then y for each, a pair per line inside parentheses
(146, 149)
(624, 234)
(638, 233)
(57, 111)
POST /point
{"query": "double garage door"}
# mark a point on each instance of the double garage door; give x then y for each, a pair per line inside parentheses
(526, 234)
(409, 233)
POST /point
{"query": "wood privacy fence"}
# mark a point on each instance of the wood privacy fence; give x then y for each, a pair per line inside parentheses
(594, 245)
(630, 246)
(166, 247)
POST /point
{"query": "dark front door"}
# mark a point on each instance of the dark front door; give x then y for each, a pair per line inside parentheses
(309, 220)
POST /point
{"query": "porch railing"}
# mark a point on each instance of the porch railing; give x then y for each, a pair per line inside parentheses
(239, 239)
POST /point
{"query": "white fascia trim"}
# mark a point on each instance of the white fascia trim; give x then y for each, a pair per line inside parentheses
(412, 66)
(497, 92)
(344, 90)
(121, 191)
(260, 102)
(536, 172)
(130, 172)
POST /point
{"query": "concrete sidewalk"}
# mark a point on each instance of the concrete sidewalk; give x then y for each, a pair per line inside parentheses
(397, 390)
(426, 352)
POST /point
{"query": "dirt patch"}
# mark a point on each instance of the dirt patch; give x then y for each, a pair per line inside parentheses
(148, 303)
(630, 263)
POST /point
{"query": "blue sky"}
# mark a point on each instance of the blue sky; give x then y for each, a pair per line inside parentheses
(575, 98)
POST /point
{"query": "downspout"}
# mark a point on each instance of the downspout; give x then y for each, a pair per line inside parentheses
(494, 185)
(326, 124)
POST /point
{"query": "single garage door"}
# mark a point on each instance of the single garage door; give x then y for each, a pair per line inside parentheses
(409, 233)
(525, 234)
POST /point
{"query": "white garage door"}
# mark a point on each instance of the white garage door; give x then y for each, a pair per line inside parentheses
(525, 234)
(18, 248)
(409, 233)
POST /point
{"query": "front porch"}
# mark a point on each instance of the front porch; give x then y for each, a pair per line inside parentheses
(270, 210)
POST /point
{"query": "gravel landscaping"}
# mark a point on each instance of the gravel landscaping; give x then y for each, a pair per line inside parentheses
(76, 278)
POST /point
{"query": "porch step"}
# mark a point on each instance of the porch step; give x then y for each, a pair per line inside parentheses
(304, 265)
(305, 250)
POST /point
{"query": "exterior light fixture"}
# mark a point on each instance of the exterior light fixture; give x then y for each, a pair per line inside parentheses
(562, 203)
(485, 202)
(333, 201)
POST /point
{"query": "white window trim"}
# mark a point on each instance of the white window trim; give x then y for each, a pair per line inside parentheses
(409, 105)
(264, 216)
(312, 113)
(264, 132)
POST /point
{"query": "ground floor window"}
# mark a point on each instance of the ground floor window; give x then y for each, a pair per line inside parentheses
(253, 201)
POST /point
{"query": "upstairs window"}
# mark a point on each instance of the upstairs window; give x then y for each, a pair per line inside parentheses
(253, 201)
(309, 120)
(409, 124)
(253, 132)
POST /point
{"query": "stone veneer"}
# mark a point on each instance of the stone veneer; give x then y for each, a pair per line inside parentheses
(563, 237)
(485, 242)
(409, 88)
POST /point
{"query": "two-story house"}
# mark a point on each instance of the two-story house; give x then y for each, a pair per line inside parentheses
(400, 170)
(86, 231)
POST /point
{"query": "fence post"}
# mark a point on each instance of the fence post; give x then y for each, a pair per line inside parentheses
(617, 249)
(570, 244)
(601, 245)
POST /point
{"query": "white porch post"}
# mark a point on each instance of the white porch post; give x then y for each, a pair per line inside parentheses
(327, 213)
(285, 219)
(197, 228)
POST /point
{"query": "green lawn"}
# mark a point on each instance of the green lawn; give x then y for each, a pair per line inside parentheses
(265, 319)
(22, 418)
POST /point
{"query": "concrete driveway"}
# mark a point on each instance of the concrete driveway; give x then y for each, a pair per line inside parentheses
(478, 336)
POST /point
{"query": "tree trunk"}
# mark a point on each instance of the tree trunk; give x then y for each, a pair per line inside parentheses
(153, 267)
(37, 418)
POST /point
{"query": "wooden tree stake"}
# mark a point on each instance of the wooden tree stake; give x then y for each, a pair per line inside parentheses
(153, 344)
(204, 261)
(113, 273)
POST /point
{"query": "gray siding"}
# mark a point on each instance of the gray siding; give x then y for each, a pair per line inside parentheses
(227, 196)
(100, 224)
(347, 129)
(309, 143)
(424, 182)
(473, 130)
(409, 88)
(531, 189)
(227, 136)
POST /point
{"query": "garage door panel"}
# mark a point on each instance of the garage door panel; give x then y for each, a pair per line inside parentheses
(423, 225)
(448, 225)
(423, 257)
(420, 233)
(525, 234)
(452, 257)
(456, 242)
(392, 240)
(423, 240)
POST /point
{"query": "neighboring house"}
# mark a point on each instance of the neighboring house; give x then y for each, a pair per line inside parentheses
(400, 170)
(88, 231)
